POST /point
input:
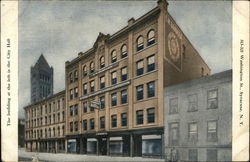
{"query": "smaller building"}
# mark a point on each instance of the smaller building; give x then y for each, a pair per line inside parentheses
(198, 119)
(45, 125)
(21, 123)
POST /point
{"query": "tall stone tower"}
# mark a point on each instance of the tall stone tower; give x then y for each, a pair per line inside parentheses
(41, 80)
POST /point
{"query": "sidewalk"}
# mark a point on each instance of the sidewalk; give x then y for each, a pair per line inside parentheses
(26, 156)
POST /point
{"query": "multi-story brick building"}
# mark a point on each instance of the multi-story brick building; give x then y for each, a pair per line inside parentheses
(115, 90)
(45, 124)
(198, 119)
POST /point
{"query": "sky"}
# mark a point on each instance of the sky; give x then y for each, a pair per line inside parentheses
(61, 29)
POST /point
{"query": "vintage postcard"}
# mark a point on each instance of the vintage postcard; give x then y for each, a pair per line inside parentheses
(155, 80)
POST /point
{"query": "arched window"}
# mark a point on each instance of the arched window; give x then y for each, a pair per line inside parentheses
(139, 43)
(102, 63)
(92, 68)
(113, 56)
(151, 37)
(84, 70)
(124, 52)
(71, 78)
(76, 75)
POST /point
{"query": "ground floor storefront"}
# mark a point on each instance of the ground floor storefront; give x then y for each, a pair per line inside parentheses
(133, 143)
(148, 142)
(46, 145)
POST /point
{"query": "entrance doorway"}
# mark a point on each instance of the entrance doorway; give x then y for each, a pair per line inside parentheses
(102, 143)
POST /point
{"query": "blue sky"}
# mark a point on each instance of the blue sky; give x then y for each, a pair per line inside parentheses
(61, 29)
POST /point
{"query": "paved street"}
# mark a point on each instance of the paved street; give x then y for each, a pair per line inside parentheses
(27, 156)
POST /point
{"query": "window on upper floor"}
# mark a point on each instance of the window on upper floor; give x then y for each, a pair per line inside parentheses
(102, 62)
(124, 97)
(102, 122)
(139, 68)
(139, 117)
(58, 131)
(84, 71)
(139, 92)
(114, 121)
(71, 78)
(76, 109)
(92, 67)
(173, 134)
(151, 89)
(113, 77)
(102, 102)
(58, 117)
(71, 111)
(192, 103)
(151, 63)
(85, 91)
(85, 124)
(212, 99)
(71, 96)
(192, 132)
(91, 105)
(124, 118)
(151, 37)
(113, 56)
(114, 99)
(92, 123)
(124, 52)
(75, 75)
(92, 86)
(85, 107)
(139, 43)
(71, 126)
(124, 74)
(212, 131)
(173, 106)
(76, 92)
(151, 115)
(76, 126)
(102, 82)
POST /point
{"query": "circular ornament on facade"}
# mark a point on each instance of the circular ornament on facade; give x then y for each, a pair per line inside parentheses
(173, 46)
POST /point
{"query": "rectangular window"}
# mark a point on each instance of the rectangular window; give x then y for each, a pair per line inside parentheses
(192, 103)
(85, 107)
(113, 78)
(212, 131)
(192, 132)
(139, 117)
(102, 122)
(85, 124)
(139, 67)
(212, 100)
(211, 155)
(71, 126)
(114, 99)
(192, 155)
(173, 134)
(151, 115)
(92, 86)
(151, 89)
(139, 92)
(173, 105)
(84, 89)
(124, 74)
(92, 123)
(91, 106)
(76, 109)
(102, 102)
(76, 126)
(70, 97)
(151, 63)
(124, 96)
(124, 119)
(58, 117)
(71, 110)
(76, 92)
(102, 82)
(114, 121)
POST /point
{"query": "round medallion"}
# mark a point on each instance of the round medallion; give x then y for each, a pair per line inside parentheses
(173, 46)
